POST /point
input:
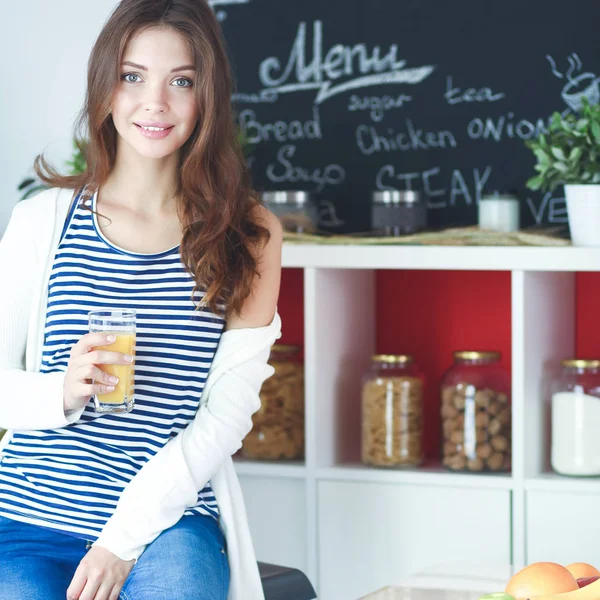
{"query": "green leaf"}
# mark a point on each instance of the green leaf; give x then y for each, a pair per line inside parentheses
(596, 130)
(596, 178)
(560, 166)
(558, 153)
(565, 125)
(535, 183)
(582, 124)
(575, 154)
(26, 183)
(542, 157)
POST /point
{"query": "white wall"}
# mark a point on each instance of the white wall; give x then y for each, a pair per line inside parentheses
(44, 46)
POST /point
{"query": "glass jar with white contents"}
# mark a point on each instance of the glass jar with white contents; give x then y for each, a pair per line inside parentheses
(499, 212)
(575, 445)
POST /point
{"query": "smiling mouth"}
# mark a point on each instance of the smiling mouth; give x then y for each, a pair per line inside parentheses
(153, 128)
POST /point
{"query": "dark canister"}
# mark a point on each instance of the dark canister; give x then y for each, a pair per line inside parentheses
(398, 212)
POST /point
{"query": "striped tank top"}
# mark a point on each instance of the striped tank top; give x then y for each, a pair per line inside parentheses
(71, 478)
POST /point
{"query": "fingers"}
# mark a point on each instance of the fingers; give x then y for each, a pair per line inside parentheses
(114, 594)
(84, 378)
(90, 380)
(89, 341)
(99, 576)
(105, 357)
(92, 585)
(103, 592)
(90, 389)
(77, 584)
(90, 372)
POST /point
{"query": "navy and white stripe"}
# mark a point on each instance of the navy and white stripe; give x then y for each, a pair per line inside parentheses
(71, 478)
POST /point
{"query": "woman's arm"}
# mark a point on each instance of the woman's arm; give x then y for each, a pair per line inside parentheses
(260, 306)
(168, 484)
(28, 400)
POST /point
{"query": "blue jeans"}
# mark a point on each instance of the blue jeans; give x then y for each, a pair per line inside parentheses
(185, 562)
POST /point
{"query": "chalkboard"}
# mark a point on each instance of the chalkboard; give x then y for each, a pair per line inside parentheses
(345, 97)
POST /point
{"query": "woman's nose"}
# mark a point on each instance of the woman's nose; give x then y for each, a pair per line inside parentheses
(155, 98)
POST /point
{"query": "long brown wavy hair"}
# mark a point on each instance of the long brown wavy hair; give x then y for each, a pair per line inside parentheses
(216, 201)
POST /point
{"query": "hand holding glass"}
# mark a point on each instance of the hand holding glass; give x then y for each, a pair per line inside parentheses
(121, 324)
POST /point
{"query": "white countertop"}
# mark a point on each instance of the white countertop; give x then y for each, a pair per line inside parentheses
(405, 593)
(449, 581)
(462, 576)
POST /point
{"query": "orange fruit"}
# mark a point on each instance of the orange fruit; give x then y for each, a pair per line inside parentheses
(540, 579)
(580, 569)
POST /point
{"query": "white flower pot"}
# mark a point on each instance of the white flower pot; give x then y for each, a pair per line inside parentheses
(583, 208)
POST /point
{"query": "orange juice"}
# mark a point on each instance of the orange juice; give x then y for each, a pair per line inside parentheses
(123, 391)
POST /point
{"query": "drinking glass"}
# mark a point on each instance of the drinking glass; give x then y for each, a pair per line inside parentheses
(121, 324)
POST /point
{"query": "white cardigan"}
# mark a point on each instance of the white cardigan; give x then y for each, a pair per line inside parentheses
(157, 496)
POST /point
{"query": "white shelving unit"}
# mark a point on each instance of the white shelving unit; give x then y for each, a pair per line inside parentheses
(354, 529)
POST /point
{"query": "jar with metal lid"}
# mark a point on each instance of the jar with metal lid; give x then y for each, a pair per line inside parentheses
(575, 443)
(476, 413)
(396, 212)
(392, 412)
(295, 209)
(278, 426)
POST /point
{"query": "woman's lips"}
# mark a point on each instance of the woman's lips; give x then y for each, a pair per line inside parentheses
(154, 135)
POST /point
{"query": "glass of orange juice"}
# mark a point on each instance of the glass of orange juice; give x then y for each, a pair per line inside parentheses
(120, 323)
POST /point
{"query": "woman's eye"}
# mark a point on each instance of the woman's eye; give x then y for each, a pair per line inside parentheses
(186, 82)
(126, 75)
(181, 82)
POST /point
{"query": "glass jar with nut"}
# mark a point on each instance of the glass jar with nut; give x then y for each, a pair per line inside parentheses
(476, 414)
(278, 426)
(392, 412)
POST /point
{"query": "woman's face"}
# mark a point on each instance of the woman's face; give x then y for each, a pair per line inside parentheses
(156, 90)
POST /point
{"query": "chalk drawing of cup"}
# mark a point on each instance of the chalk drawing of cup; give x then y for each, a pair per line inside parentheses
(585, 85)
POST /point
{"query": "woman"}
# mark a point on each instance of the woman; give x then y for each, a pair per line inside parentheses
(143, 505)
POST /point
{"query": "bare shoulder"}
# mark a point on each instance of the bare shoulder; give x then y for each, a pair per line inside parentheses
(268, 253)
(267, 219)
(259, 308)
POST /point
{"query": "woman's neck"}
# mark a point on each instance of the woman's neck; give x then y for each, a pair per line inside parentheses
(142, 185)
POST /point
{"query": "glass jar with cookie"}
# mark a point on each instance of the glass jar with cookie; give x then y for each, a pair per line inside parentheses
(392, 412)
(476, 414)
(278, 426)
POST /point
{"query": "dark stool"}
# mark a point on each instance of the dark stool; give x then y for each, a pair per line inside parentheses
(283, 583)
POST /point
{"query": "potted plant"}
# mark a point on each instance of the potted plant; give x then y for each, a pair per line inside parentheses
(569, 154)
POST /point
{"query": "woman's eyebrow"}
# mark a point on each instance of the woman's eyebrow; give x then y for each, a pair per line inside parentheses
(143, 68)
